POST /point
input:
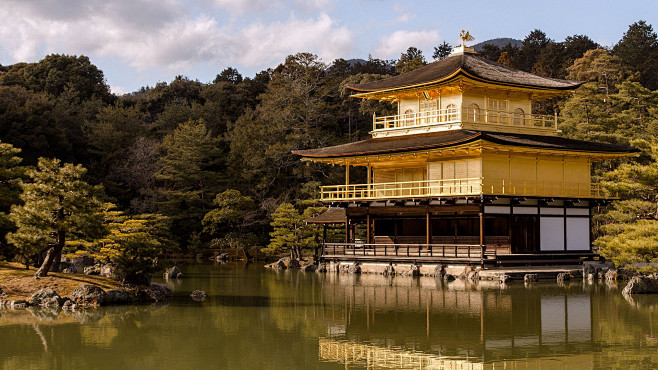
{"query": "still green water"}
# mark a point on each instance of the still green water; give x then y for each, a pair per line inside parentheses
(256, 318)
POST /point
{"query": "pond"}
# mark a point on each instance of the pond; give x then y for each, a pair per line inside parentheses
(255, 318)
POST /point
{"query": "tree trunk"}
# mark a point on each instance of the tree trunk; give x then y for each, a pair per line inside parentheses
(55, 251)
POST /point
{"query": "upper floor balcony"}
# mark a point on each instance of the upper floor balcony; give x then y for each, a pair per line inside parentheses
(458, 187)
(453, 118)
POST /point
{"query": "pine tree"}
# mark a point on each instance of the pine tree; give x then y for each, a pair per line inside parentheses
(442, 51)
(58, 205)
(134, 244)
(410, 60)
(291, 231)
(190, 175)
(639, 50)
(629, 226)
(233, 220)
(11, 174)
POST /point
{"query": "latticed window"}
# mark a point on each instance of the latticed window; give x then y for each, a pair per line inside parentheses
(518, 117)
(497, 111)
(473, 113)
(451, 111)
(428, 111)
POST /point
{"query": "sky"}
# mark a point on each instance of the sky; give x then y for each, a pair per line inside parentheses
(139, 43)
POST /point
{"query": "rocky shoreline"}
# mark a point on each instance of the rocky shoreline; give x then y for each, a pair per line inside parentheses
(637, 283)
(90, 296)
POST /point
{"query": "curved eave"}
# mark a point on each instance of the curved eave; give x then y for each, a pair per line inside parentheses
(412, 148)
(485, 145)
(453, 77)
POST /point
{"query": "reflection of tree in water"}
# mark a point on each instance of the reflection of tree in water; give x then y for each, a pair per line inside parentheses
(271, 319)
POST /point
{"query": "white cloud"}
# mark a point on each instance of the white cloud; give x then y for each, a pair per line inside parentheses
(272, 42)
(393, 45)
(162, 34)
(241, 6)
(262, 6)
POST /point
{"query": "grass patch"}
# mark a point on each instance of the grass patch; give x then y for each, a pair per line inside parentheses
(19, 283)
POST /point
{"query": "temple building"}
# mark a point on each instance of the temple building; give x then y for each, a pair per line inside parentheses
(465, 172)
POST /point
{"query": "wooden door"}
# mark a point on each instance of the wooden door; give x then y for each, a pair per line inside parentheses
(525, 234)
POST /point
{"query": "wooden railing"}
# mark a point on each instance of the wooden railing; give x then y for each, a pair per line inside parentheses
(404, 189)
(465, 115)
(450, 251)
(456, 187)
(545, 188)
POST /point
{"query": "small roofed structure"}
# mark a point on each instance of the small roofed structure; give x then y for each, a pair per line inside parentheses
(332, 216)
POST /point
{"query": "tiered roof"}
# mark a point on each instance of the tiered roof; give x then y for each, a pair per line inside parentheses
(448, 139)
(464, 64)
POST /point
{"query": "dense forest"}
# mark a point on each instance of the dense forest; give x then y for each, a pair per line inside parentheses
(187, 166)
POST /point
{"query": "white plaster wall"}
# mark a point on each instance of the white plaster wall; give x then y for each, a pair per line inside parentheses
(551, 233)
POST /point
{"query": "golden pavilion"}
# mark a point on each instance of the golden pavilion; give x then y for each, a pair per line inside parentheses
(465, 171)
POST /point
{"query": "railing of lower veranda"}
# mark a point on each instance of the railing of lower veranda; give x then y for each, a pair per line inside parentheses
(439, 251)
(457, 187)
(465, 115)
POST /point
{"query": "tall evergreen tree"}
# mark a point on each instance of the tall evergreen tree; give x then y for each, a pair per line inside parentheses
(11, 174)
(630, 225)
(412, 59)
(442, 51)
(190, 175)
(58, 205)
(639, 50)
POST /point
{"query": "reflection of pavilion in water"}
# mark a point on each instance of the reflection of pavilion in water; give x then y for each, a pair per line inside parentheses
(378, 321)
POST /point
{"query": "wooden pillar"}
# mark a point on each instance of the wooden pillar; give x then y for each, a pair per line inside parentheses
(368, 228)
(428, 227)
(482, 247)
(369, 180)
(347, 173)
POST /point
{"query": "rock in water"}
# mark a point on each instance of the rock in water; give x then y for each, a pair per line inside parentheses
(530, 278)
(504, 279)
(45, 298)
(19, 304)
(439, 271)
(322, 267)
(448, 277)
(563, 276)
(354, 269)
(309, 268)
(160, 292)
(388, 271)
(279, 265)
(117, 296)
(642, 285)
(588, 269)
(199, 295)
(612, 275)
(173, 273)
(89, 295)
(294, 264)
(414, 270)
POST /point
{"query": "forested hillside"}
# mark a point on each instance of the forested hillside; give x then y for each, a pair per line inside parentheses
(208, 164)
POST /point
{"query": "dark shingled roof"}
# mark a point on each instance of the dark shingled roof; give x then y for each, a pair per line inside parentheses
(452, 138)
(475, 65)
(333, 215)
